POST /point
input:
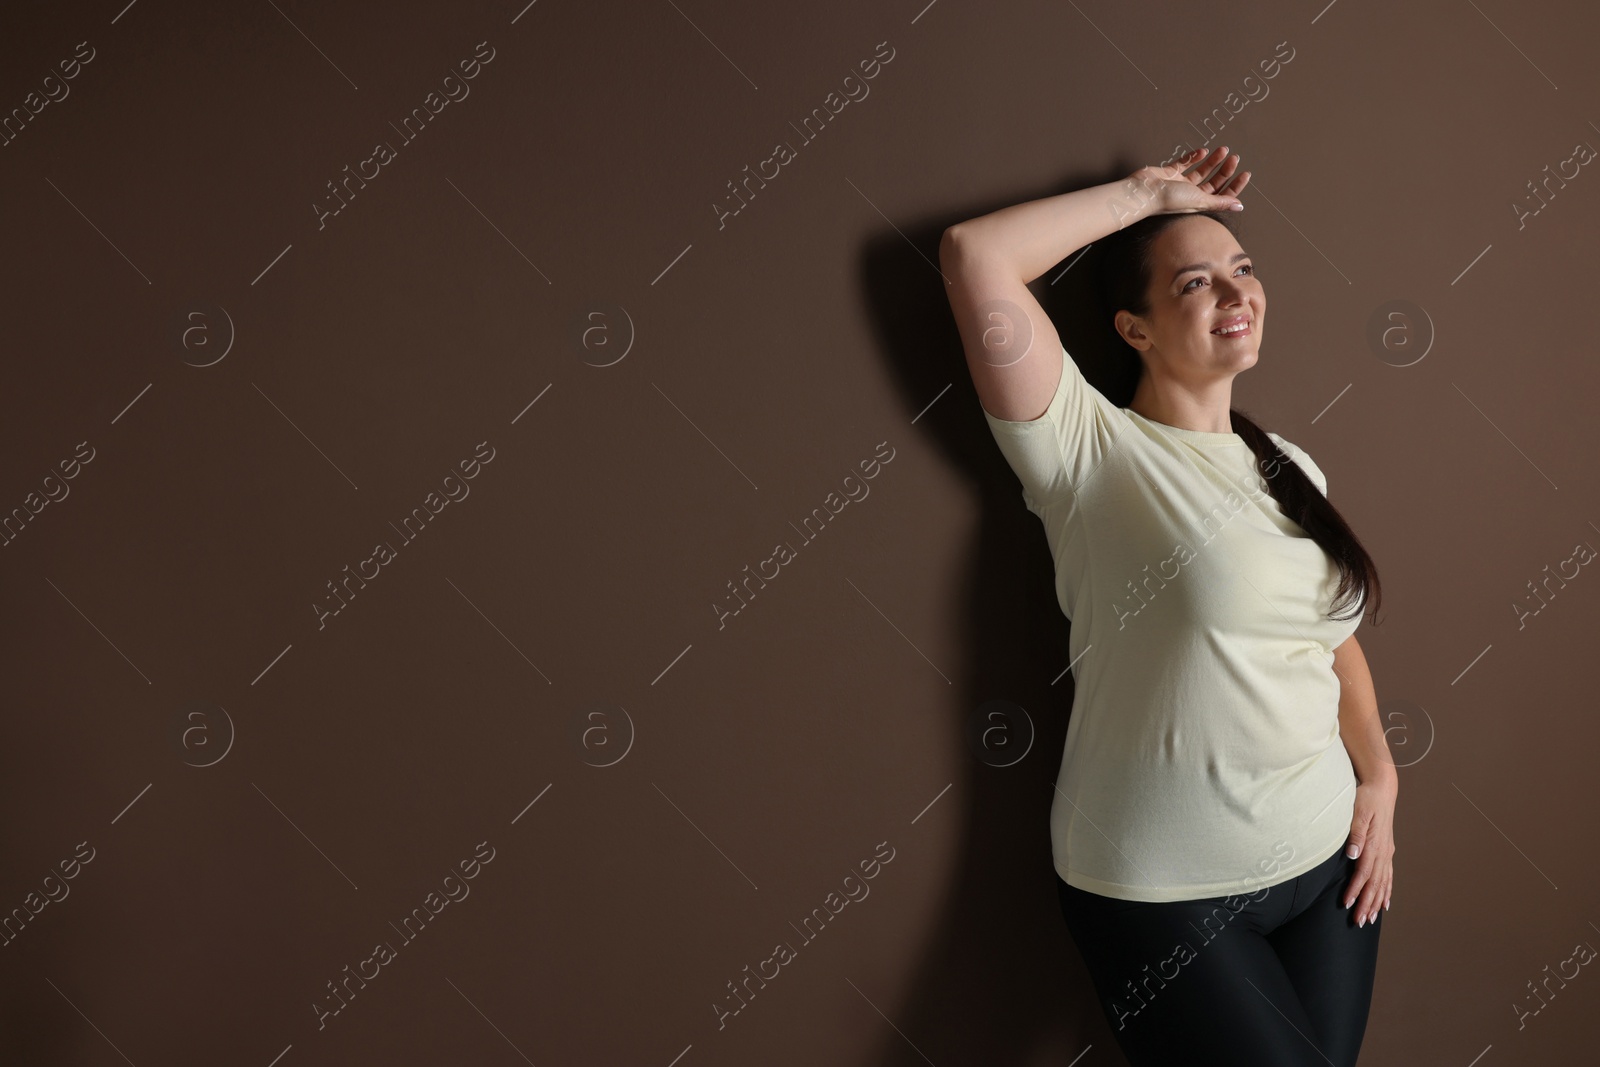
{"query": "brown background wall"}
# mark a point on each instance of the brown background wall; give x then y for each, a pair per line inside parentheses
(541, 675)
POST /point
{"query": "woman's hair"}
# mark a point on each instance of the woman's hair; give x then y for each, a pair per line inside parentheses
(1124, 283)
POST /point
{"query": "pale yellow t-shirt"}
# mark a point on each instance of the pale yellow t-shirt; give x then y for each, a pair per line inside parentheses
(1203, 755)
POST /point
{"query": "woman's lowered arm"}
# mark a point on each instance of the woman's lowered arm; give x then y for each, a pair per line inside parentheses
(1359, 726)
(1378, 783)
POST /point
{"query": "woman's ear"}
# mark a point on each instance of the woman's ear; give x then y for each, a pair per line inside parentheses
(1128, 328)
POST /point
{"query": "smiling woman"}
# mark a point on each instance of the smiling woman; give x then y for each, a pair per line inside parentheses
(1219, 720)
(1192, 324)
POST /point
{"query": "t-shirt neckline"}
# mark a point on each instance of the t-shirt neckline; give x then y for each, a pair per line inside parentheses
(1204, 438)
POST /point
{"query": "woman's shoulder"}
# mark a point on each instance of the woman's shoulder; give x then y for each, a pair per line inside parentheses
(1301, 457)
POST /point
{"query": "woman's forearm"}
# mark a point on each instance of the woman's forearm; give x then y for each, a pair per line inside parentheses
(1036, 235)
(1360, 727)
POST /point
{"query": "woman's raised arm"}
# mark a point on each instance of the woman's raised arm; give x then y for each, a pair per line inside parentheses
(1012, 349)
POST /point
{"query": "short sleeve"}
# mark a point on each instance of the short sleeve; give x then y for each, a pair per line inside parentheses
(1055, 454)
(1305, 462)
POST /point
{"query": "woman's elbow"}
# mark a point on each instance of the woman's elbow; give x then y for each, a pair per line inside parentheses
(958, 247)
(947, 245)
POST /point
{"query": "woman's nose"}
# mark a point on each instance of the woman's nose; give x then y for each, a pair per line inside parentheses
(1229, 294)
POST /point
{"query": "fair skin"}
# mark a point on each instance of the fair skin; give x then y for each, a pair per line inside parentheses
(1199, 279)
(1014, 355)
(1378, 784)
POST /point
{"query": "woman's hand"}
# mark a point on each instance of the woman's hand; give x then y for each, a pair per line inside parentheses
(1209, 187)
(1372, 845)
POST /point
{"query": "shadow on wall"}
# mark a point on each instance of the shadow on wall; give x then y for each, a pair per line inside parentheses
(999, 981)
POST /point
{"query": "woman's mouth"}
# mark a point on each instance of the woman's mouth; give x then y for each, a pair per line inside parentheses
(1238, 329)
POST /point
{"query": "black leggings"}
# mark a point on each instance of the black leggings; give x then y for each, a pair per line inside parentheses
(1277, 977)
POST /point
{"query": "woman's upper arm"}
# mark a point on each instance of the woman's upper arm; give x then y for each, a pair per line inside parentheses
(1052, 425)
(1012, 348)
(1350, 664)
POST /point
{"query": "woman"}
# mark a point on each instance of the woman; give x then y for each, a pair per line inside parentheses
(1222, 825)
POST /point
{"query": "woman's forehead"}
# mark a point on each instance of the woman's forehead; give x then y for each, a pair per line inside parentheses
(1189, 241)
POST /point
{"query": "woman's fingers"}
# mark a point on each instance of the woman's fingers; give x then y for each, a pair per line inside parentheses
(1202, 160)
(1216, 172)
(1364, 887)
(1219, 179)
(1212, 173)
(1368, 908)
(1357, 882)
(1376, 892)
(1207, 169)
(1174, 171)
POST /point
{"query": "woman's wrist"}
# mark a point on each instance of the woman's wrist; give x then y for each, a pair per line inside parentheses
(1133, 198)
(1386, 778)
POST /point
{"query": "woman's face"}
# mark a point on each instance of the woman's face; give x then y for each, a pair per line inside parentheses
(1200, 281)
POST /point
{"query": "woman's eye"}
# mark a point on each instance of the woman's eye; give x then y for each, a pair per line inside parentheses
(1243, 266)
